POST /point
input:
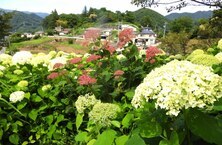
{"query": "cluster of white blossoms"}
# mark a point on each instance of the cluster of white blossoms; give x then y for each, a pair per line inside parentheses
(16, 96)
(103, 113)
(22, 83)
(85, 102)
(121, 57)
(219, 56)
(46, 87)
(179, 85)
(5, 59)
(219, 45)
(21, 57)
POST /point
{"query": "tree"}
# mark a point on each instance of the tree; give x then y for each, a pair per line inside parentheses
(146, 21)
(4, 25)
(129, 17)
(175, 43)
(85, 11)
(50, 21)
(181, 24)
(177, 4)
(71, 19)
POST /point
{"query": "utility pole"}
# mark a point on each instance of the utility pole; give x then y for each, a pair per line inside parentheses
(164, 29)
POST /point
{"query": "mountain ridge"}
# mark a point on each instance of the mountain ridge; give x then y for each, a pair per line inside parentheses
(195, 16)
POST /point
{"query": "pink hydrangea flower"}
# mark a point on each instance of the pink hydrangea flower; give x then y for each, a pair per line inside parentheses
(86, 80)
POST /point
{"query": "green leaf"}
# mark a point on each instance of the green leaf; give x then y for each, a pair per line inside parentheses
(164, 142)
(116, 123)
(69, 125)
(60, 118)
(49, 119)
(135, 140)
(79, 119)
(149, 128)
(91, 142)
(121, 140)
(1, 134)
(126, 122)
(174, 139)
(27, 96)
(65, 101)
(19, 123)
(81, 136)
(33, 114)
(41, 92)
(14, 127)
(53, 98)
(130, 94)
(25, 143)
(106, 138)
(218, 105)
(52, 129)
(36, 98)
(14, 138)
(207, 127)
(21, 105)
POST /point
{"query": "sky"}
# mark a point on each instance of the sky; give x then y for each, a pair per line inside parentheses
(76, 6)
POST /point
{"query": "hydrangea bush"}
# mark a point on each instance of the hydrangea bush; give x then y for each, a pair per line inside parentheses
(179, 85)
(61, 98)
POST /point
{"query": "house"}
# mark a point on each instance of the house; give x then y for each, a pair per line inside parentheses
(146, 38)
(27, 35)
(62, 31)
(39, 33)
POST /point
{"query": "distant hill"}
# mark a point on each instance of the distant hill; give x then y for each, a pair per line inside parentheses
(156, 18)
(195, 16)
(41, 14)
(23, 22)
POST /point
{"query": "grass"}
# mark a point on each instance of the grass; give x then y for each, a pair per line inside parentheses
(74, 45)
(31, 42)
(46, 44)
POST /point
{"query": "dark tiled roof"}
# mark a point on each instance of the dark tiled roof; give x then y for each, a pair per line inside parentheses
(147, 30)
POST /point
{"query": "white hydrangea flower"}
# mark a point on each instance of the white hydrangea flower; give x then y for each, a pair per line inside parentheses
(46, 87)
(85, 102)
(178, 85)
(16, 96)
(219, 45)
(23, 84)
(2, 68)
(142, 52)
(5, 59)
(52, 54)
(103, 113)
(40, 58)
(21, 57)
(219, 56)
(18, 72)
(52, 62)
(121, 57)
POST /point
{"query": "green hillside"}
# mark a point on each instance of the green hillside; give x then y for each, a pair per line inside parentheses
(156, 19)
(22, 22)
(195, 16)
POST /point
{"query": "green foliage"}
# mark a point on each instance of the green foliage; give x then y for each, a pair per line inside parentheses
(205, 126)
(175, 43)
(181, 24)
(4, 25)
(49, 22)
(48, 112)
(145, 16)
